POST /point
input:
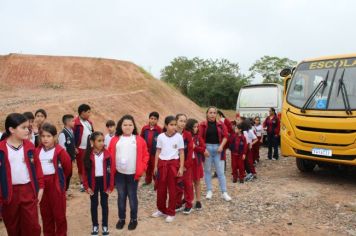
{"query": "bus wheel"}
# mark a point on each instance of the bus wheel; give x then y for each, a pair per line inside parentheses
(305, 165)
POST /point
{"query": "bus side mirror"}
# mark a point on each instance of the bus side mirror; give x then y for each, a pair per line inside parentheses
(286, 83)
(285, 72)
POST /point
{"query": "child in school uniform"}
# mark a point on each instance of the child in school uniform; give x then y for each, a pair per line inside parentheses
(98, 178)
(40, 118)
(185, 183)
(150, 133)
(22, 183)
(56, 166)
(83, 127)
(131, 156)
(111, 128)
(238, 147)
(198, 158)
(66, 140)
(169, 164)
(31, 118)
(251, 139)
(258, 129)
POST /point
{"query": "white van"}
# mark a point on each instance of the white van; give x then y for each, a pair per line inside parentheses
(256, 100)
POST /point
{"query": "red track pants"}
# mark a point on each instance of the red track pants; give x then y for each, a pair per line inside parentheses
(185, 185)
(237, 166)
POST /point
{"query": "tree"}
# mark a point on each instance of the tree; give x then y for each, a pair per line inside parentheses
(206, 82)
(269, 68)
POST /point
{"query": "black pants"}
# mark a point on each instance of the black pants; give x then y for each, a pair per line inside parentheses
(99, 188)
(126, 186)
(272, 143)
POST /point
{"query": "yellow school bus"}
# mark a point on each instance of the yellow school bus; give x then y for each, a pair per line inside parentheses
(318, 123)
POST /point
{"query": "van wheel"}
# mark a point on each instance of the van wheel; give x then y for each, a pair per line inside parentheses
(305, 165)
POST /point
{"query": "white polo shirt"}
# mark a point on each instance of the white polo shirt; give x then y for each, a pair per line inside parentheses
(126, 155)
(46, 158)
(250, 136)
(19, 171)
(258, 129)
(99, 159)
(107, 140)
(170, 146)
(87, 130)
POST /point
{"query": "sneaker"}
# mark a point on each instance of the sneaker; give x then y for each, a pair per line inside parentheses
(105, 230)
(255, 176)
(120, 224)
(198, 206)
(170, 219)
(158, 214)
(234, 180)
(249, 177)
(274, 159)
(179, 208)
(209, 195)
(226, 197)
(187, 211)
(132, 225)
(82, 189)
(242, 181)
(95, 230)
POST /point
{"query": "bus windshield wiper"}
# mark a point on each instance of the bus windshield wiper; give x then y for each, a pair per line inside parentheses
(345, 97)
(322, 84)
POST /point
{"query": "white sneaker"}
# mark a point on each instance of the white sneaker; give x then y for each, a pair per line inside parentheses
(158, 214)
(170, 219)
(226, 197)
(209, 195)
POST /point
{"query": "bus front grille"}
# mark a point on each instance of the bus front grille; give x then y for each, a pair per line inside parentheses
(321, 130)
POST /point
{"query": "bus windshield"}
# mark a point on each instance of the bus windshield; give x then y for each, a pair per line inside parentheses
(255, 97)
(329, 85)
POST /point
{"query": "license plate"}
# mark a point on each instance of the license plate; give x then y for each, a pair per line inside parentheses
(322, 152)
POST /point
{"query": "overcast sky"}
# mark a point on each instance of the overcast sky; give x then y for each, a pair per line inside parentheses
(151, 33)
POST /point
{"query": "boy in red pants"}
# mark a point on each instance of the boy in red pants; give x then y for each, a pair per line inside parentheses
(238, 148)
(150, 133)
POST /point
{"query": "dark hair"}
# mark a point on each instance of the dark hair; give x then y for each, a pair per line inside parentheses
(239, 126)
(110, 123)
(168, 120)
(49, 128)
(88, 150)
(154, 114)
(13, 120)
(221, 114)
(233, 122)
(119, 124)
(190, 125)
(83, 108)
(246, 125)
(44, 113)
(29, 115)
(67, 117)
(179, 115)
(273, 110)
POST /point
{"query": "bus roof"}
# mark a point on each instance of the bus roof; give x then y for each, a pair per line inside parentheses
(262, 85)
(330, 57)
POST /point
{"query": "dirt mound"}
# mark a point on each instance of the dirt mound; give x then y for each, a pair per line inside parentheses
(111, 87)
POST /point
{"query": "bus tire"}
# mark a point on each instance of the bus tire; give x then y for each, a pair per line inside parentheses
(305, 165)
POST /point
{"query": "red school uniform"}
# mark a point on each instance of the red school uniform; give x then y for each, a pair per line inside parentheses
(19, 202)
(142, 155)
(53, 203)
(198, 157)
(78, 134)
(150, 134)
(238, 147)
(185, 183)
(108, 172)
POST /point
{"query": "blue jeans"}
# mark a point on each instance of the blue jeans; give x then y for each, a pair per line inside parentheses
(214, 158)
(126, 186)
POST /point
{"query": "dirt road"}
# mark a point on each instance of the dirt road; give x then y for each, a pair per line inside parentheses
(282, 201)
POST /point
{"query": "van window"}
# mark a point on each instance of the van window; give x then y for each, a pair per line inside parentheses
(253, 97)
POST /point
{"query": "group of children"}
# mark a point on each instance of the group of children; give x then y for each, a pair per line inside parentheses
(36, 167)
